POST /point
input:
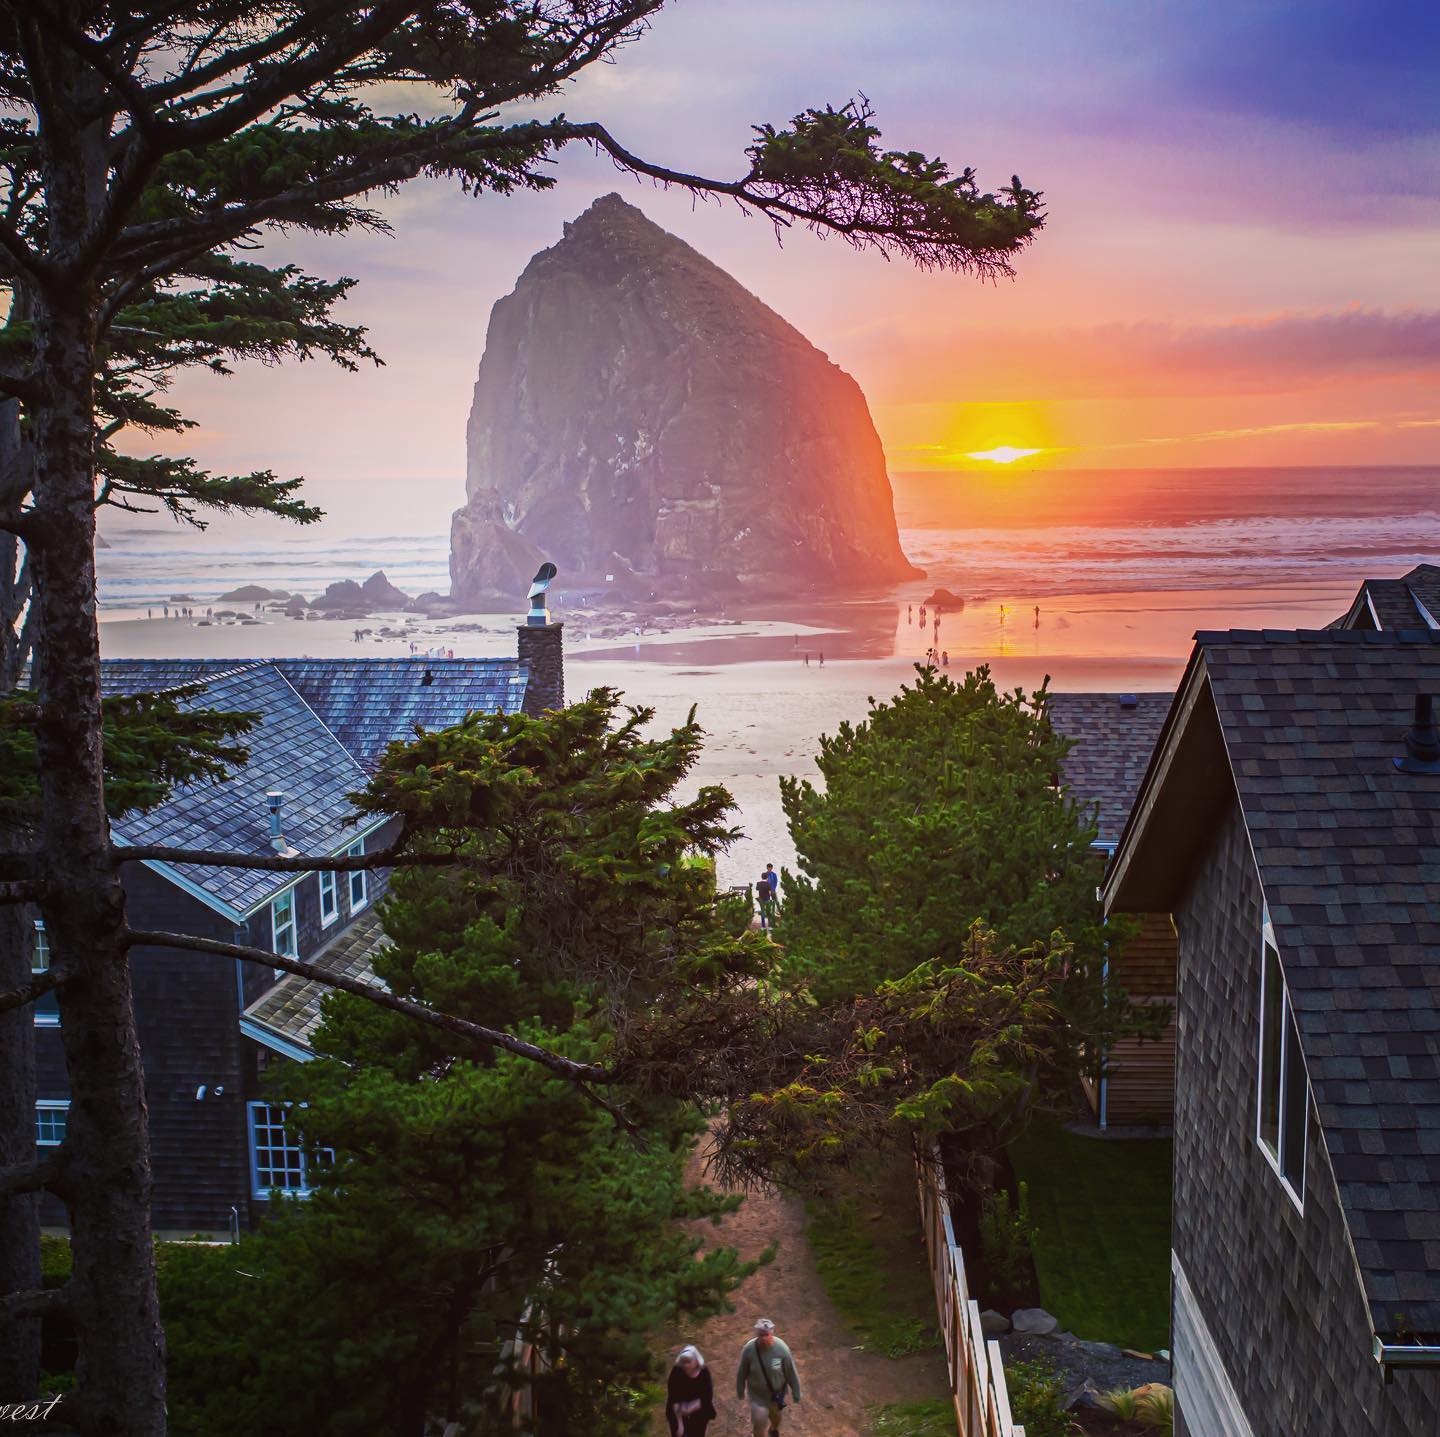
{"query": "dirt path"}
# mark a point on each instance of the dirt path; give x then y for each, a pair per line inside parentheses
(839, 1383)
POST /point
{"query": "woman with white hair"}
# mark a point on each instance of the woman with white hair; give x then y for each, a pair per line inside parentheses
(689, 1395)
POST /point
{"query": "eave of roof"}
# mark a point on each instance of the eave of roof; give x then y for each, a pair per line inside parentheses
(286, 1016)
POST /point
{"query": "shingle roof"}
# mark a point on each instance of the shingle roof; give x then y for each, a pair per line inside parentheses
(1115, 735)
(291, 1009)
(290, 750)
(325, 722)
(1396, 603)
(140, 676)
(365, 703)
(368, 703)
(1349, 856)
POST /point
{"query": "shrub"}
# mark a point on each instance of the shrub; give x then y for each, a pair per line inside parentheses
(1036, 1396)
(1156, 1404)
(1006, 1239)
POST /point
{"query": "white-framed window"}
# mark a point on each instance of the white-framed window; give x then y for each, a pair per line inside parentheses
(282, 927)
(359, 880)
(51, 1117)
(277, 1155)
(329, 900)
(47, 1008)
(1283, 1099)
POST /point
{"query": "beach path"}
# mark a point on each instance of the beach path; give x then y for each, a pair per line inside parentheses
(840, 1382)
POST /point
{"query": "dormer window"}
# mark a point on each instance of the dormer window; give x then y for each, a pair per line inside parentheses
(1284, 1089)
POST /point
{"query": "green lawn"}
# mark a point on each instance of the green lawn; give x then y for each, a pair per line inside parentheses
(870, 1254)
(1102, 1247)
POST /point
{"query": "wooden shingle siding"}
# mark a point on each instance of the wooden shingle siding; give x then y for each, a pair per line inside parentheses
(1140, 1081)
(186, 1012)
(1145, 967)
(1278, 1290)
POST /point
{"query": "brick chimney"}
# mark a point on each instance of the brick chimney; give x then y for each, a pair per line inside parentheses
(541, 650)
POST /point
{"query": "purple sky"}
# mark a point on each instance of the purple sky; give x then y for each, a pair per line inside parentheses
(1240, 265)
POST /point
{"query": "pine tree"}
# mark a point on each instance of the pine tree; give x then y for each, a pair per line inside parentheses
(474, 1198)
(941, 808)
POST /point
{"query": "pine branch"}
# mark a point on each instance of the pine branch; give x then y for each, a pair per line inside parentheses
(31, 1177)
(581, 1074)
(392, 857)
(37, 987)
(41, 1302)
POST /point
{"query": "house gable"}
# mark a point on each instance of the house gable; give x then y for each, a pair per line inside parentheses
(1346, 850)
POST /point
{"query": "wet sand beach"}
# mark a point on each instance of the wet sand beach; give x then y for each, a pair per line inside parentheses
(762, 705)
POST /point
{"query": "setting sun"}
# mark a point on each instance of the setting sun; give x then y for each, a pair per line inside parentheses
(1003, 454)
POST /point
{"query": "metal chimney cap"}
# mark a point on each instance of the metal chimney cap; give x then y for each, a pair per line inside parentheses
(274, 799)
(1422, 740)
(539, 614)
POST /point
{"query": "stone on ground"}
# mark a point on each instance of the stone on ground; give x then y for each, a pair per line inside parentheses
(1033, 1320)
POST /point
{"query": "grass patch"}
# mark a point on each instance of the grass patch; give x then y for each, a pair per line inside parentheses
(870, 1253)
(935, 1418)
(1102, 1245)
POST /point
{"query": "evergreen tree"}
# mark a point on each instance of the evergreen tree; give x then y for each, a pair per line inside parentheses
(473, 1198)
(940, 809)
(144, 137)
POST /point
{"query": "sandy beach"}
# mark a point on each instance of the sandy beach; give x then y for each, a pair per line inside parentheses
(762, 705)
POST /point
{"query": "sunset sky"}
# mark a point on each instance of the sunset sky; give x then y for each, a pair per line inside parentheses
(1241, 264)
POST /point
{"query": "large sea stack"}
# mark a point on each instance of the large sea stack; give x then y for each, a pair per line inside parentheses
(640, 415)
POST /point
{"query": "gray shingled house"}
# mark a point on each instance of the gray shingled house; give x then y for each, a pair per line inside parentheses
(1114, 735)
(1290, 823)
(210, 1026)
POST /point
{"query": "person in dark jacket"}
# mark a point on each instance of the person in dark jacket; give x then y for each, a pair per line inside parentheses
(689, 1395)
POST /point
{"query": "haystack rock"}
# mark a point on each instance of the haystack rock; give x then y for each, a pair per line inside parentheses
(641, 415)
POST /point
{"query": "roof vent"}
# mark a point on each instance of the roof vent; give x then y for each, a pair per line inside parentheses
(426, 679)
(275, 801)
(1422, 742)
(1127, 701)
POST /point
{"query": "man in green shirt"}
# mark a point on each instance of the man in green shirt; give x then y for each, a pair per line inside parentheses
(767, 1373)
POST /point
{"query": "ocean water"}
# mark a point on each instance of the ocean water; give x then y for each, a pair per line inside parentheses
(1079, 531)
(1030, 531)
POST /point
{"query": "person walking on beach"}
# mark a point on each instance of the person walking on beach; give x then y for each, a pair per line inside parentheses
(765, 894)
(766, 1379)
(773, 880)
(822, 658)
(689, 1395)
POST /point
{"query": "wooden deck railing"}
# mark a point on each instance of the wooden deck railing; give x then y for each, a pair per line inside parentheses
(977, 1378)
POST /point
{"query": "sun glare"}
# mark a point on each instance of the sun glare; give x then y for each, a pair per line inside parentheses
(1002, 454)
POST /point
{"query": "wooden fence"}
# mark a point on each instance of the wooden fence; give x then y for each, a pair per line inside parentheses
(977, 1378)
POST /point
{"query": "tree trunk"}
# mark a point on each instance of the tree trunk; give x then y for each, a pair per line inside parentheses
(19, 1216)
(120, 1369)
